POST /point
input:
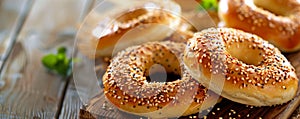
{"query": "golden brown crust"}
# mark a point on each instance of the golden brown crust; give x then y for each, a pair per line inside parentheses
(282, 30)
(126, 87)
(132, 27)
(250, 70)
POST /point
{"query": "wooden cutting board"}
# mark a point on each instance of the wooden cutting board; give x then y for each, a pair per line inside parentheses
(99, 107)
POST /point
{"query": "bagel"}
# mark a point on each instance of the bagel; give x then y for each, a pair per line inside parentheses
(250, 70)
(133, 23)
(127, 87)
(277, 21)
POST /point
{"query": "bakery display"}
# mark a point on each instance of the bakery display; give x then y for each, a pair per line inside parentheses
(248, 69)
(126, 84)
(277, 21)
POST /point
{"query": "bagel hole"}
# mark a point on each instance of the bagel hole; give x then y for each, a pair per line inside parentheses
(158, 73)
(162, 77)
(132, 14)
(244, 53)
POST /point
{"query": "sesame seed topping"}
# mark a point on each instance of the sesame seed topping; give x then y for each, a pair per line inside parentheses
(126, 79)
(212, 49)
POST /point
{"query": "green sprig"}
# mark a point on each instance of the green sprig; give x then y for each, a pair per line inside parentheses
(209, 5)
(58, 63)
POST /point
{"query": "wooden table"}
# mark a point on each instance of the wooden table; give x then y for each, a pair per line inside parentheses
(30, 29)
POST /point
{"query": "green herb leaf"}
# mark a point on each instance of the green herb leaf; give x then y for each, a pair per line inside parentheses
(62, 50)
(58, 63)
(49, 61)
(209, 5)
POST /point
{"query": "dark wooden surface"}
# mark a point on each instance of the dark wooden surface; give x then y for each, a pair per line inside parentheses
(27, 90)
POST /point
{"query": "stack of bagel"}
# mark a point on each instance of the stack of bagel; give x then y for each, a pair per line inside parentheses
(240, 61)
